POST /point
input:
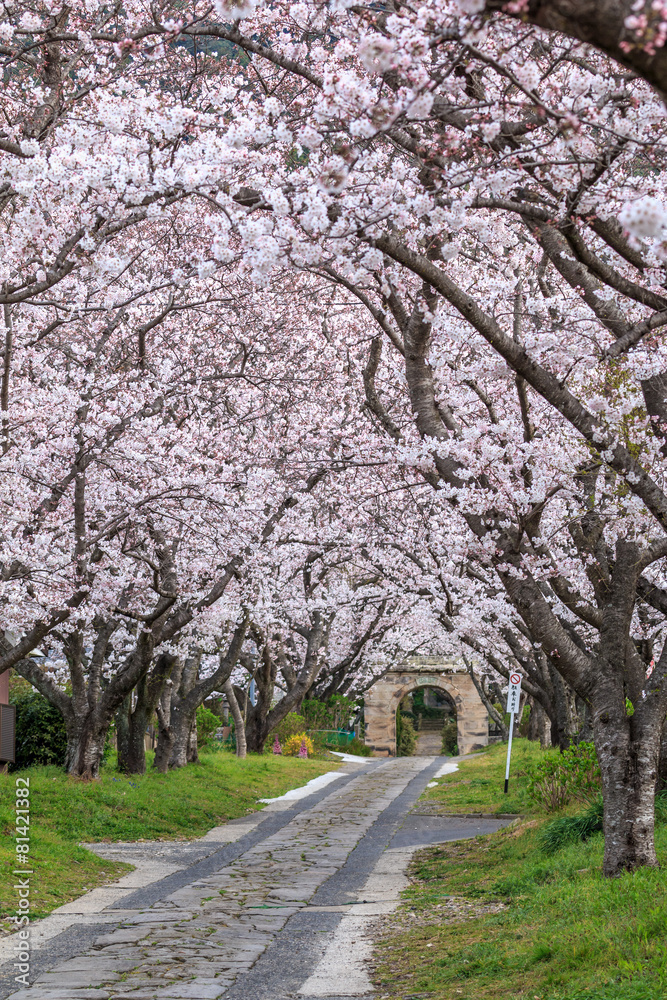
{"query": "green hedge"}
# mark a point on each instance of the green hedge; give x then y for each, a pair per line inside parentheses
(40, 732)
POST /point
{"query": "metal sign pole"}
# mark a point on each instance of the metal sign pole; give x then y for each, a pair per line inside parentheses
(509, 753)
(513, 703)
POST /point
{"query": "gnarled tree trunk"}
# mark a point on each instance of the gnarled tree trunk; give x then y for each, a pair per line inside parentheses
(165, 737)
(85, 743)
(628, 749)
(132, 722)
(182, 713)
(177, 709)
(261, 719)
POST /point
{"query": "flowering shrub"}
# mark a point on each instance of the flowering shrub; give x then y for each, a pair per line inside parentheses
(292, 746)
(292, 725)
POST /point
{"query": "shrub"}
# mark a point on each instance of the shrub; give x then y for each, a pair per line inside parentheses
(207, 723)
(319, 738)
(406, 738)
(316, 714)
(570, 829)
(545, 783)
(41, 737)
(290, 726)
(560, 777)
(450, 738)
(331, 714)
(358, 747)
(582, 772)
(292, 745)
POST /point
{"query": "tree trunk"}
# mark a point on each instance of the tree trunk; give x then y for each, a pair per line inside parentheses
(165, 732)
(661, 783)
(565, 721)
(192, 754)
(585, 731)
(85, 745)
(539, 725)
(241, 747)
(132, 755)
(256, 733)
(122, 720)
(164, 749)
(177, 707)
(134, 722)
(165, 735)
(627, 749)
(183, 714)
(181, 729)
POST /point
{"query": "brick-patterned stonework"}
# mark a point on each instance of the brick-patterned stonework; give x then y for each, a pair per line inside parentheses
(382, 700)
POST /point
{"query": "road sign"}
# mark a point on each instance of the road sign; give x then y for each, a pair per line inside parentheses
(514, 693)
(513, 698)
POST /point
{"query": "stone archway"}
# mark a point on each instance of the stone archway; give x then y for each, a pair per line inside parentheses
(384, 697)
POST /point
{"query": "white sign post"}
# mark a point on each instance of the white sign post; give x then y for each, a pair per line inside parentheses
(513, 699)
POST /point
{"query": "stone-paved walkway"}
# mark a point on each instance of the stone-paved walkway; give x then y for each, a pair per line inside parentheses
(264, 924)
(429, 744)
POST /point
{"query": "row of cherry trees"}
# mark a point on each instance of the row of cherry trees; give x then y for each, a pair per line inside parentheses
(183, 502)
(321, 317)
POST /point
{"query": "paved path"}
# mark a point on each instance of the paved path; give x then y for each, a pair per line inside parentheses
(429, 744)
(277, 905)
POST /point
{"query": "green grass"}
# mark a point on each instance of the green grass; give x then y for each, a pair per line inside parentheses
(478, 787)
(182, 804)
(563, 933)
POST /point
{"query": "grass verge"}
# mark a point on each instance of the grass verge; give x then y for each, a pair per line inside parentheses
(494, 917)
(478, 785)
(182, 804)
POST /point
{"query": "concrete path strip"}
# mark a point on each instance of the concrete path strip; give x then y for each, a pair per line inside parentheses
(342, 970)
(313, 785)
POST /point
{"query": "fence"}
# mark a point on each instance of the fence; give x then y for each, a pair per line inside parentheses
(330, 737)
(339, 737)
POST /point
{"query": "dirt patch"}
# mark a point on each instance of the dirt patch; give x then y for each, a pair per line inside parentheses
(451, 910)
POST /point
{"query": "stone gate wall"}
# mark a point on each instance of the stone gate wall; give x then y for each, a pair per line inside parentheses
(382, 700)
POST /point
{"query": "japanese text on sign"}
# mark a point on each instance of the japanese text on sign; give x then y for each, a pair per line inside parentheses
(514, 693)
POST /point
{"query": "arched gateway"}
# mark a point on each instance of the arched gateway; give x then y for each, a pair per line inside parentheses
(384, 697)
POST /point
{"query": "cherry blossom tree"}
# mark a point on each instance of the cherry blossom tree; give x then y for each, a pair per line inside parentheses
(632, 33)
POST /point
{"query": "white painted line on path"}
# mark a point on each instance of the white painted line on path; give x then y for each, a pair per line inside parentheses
(447, 768)
(342, 971)
(313, 786)
(353, 758)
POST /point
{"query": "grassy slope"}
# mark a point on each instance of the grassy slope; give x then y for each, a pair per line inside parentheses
(183, 804)
(565, 933)
(478, 788)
